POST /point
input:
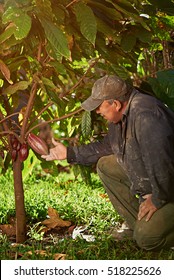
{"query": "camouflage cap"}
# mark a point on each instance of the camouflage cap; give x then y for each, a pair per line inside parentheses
(105, 88)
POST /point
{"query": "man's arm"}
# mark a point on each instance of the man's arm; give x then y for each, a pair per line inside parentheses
(83, 154)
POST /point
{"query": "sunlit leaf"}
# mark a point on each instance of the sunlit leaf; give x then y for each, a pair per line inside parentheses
(21, 20)
(87, 21)
(10, 29)
(56, 37)
(18, 86)
(86, 124)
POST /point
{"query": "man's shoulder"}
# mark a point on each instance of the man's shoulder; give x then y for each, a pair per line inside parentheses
(142, 101)
(143, 104)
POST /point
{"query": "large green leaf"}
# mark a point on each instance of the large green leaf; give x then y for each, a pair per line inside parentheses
(120, 71)
(45, 8)
(128, 12)
(128, 42)
(21, 20)
(107, 31)
(87, 21)
(166, 6)
(56, 37)
(163, 86)
(8, 32)
(18, 86)
(86, 124)
(109, 12)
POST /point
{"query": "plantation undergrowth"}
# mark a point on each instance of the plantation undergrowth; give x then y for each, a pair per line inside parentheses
(83, 207)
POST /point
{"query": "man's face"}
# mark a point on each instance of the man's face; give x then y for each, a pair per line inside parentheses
(110, 112)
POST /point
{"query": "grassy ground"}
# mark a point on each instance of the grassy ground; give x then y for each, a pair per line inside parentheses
(75, 201)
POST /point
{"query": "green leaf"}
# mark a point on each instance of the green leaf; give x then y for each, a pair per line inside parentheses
(129, 12)
(109, 12)
(107, 30)
(163, 86)
(59, 67)
(120, 71)
(87, 21)
(21, 20)
(48, 83)
(56, 37)
(86, 124)
(10, 29)
(45, 8)
(18, 86)
(128, 42)
(144, 35)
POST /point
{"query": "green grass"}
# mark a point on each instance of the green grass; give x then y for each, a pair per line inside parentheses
(75, 201)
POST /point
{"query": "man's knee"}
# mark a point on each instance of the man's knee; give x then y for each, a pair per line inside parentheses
(102, 164)
(147, 241)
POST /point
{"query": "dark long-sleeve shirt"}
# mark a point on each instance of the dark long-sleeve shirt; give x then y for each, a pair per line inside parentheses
(143, 142)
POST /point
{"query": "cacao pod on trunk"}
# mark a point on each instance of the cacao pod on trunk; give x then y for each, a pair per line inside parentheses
(23, 152)
(14, 155)
(37, 144)
(14, 142)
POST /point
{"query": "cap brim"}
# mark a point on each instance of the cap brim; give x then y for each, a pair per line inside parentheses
(91, 104)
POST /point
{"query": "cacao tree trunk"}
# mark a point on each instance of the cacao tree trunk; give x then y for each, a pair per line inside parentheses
(19, 202)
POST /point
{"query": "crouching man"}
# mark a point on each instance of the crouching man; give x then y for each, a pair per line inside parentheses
(135, 160)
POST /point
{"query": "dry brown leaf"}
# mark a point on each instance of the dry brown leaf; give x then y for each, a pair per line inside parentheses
(5, 71)
(103, 195)
(59, 256)
(56, 256)
(55, 220)
(37, 252)
(9, 230)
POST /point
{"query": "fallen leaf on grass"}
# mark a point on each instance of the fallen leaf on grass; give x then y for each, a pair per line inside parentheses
(59, 256)
(56, 256)
(54, 220)
(9, 230)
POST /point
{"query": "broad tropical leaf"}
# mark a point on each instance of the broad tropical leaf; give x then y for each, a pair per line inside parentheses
(8, 32)
(163, 86)
(86, 124)
(109, 12)
(56, 37)
(21, 20)
(87, 21)
(18, 86)
(128, 42)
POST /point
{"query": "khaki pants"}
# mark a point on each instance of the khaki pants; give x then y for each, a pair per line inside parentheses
(155, 234)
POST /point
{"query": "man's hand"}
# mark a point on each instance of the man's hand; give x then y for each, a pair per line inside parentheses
(146, 208)
(58, 152)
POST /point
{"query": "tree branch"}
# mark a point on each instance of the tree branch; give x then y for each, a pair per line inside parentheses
(28, 109)
(67, 6)
(54, 120)
(9, 116)
(40, 113)
(81, 79)
(9, 132)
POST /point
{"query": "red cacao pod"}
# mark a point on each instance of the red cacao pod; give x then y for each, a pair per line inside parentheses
(18, 147)
(14, 142)
(37, 144)
(23, 152)
(14, 155)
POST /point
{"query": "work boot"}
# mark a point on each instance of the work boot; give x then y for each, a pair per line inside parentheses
(122, 232)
